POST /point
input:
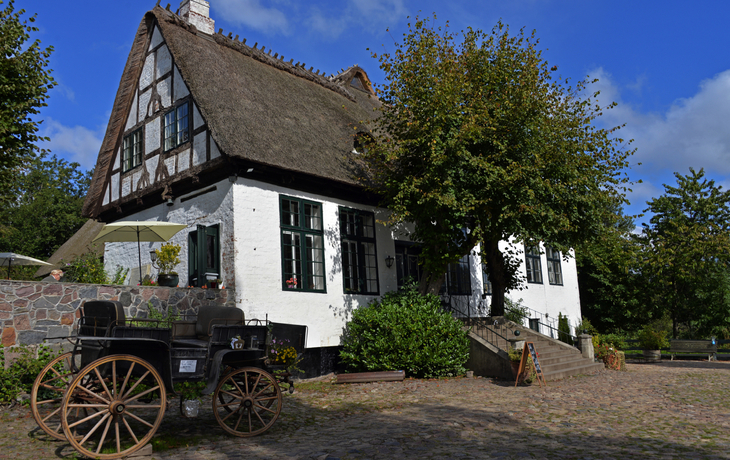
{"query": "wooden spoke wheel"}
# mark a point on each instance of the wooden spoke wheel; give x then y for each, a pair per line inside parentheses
(48, 391)
(247, 402)
(125, 400)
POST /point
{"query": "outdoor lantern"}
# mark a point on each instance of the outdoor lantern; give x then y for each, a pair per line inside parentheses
(170, 201)
(153, 255)
(389, 261)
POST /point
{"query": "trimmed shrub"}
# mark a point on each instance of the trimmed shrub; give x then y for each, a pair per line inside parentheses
(564, 329)
(405, 331)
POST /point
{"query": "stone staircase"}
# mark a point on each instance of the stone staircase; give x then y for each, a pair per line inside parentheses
(557, 359)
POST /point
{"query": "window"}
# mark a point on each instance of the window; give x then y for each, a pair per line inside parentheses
(458, 277)
(485, 280)
(555, 275)
(177, 131)
(359, 266)
(532, 260)
(203, 255)
(406, 263)
(132, 150)
(302, 245)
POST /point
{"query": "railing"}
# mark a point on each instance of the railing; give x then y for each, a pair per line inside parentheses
(475, 316)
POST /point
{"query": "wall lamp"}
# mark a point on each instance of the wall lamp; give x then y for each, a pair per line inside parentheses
(170, 201)
(389, 261)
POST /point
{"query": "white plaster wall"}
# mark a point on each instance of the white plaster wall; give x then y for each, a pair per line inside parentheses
(258, 264)
(148, 72)
(115, 187)
(152, 135)
(156, 39)
(551, 299)
(163, 89)
(132, 117)
(181, 89)
(144, 102)
(199, 153)
(197, 118)
(164, 61)
(208, 209)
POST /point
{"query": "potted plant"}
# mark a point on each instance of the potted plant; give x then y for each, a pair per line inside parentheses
(190, 394)
(651, 342)
(165, 260)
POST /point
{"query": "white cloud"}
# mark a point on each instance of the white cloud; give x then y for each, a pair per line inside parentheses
(252, 14)
(372, 15)
(76, 143)
(691, 133)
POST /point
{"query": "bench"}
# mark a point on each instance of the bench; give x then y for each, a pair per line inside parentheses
(708, 347)
(207, 327)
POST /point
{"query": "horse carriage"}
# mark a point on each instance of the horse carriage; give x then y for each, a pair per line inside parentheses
(107, 397)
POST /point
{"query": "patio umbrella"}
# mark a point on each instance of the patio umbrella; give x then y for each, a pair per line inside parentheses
(11, 258)
(128, 231)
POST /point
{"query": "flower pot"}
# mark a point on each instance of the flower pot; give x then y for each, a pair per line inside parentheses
(189, 408)
(165, 279)
(652, 355)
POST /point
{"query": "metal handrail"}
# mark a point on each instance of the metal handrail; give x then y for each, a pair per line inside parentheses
(560, 333)
(483, 327)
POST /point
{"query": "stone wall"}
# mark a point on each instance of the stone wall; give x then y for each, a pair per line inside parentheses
(31, 312)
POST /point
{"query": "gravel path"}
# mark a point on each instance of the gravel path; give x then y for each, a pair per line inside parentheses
(670, 410)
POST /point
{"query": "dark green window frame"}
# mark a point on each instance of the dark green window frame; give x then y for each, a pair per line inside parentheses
(555, 273)
(302, 245)
(359, 253)
(177, 126)
(458, 277)
(533, 265)
(204, 254)
(132, 150)
(406, 262)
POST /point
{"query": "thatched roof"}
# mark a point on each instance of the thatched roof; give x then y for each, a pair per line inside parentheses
(258, 107)
(78, 244)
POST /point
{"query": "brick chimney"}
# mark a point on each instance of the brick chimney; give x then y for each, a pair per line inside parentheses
(197, 13)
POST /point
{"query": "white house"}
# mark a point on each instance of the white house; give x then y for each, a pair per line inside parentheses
(251, 151)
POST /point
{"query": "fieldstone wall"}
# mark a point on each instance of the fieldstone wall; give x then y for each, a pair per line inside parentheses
(31, 312)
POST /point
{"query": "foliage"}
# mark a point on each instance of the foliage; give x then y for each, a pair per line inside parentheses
(608, 276)
(585, 326)
(19, 377)
(120, 275)
(168, 316)
(45, 212)
(612, 358)
(515, 354)
(281, 353)
(405, 331)
(652, 339)
(476, 134)
(24, 84)
(86, 268)
(190, 390)
(148, 281)
(613, 340)
(167, 258)
(529, 373)
(515, 311)
(564, 334)
(685, 255)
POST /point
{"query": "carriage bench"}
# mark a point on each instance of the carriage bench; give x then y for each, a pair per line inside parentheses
(708, 347)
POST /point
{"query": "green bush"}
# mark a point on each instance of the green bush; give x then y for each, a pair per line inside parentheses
(86, 268)
(515, 311)
(405, 331)
(19, 377)
(652, 339)
(564, 329)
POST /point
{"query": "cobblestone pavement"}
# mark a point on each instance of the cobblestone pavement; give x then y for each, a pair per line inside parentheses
(670, 410)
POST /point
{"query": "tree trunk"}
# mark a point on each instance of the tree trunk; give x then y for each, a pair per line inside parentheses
(431, 283)
(498, 273)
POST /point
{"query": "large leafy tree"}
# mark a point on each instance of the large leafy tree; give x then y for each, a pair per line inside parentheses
(46, 211)
(24, 84)
(686, 252)
(477, 142)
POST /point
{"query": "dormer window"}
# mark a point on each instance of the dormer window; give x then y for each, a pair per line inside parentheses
(132, 150)
(362, 141)
(177, 128)
(357, 83)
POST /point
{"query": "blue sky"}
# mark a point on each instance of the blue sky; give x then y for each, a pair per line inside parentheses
(664, 62)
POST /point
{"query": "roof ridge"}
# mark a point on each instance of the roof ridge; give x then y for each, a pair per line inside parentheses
(259, 54)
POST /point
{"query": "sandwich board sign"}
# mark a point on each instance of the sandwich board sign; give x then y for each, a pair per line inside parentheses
(530, 348)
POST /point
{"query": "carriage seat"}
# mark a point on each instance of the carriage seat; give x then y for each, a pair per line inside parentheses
(209, 316)
(100, 317)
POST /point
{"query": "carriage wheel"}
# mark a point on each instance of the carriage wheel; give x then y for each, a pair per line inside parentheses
(126, 400)
(48, 391)
(247, 402)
